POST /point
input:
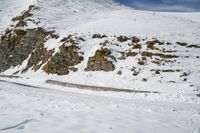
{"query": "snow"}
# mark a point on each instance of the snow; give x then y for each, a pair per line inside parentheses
(52, 110)
(58, 109)
(84, 18)
(106, 16)
(126, 80)
(144, 24)
(10, 9)
(97, 16)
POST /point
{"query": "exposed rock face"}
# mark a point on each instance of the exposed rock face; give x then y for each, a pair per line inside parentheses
(64, 60)
(38, 57)
(16, 45)
(19, 44)
(100, 62)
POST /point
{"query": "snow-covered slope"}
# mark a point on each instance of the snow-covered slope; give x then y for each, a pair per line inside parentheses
(97, 43)
(107, 16)
(86, 18)
(10, 9)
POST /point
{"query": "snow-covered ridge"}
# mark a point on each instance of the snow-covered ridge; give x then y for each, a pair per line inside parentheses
(111, 18)
(107, 16)
(51, 9)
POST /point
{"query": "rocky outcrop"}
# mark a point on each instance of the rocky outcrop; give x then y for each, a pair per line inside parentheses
(19, 43)
(100, 62)
(64, 61)
(38, 58)
(16, 45)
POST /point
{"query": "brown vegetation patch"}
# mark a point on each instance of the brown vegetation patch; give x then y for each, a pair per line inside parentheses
(193, 46)
(158, 71)
(162, 61)
(99, 36)
(71, 39)
(187, 45)
(123, 38)
(105, 43)
(135, 71)
(140, 62)
(131, 54)
(135, 39)
(151, 44)
(123, 56)
(137, 46)
(168, 51)
(182, 43)
(54, 35)
(150, 54)
(170, 70)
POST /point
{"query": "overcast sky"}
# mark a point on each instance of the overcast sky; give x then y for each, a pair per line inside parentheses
(164, 5)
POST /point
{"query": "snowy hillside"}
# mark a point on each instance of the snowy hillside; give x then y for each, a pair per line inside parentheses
(155, 35)
(100, 48)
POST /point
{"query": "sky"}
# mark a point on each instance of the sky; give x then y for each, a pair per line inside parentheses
(164, 5)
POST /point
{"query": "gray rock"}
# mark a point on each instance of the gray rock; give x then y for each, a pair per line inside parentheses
(15, 48)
